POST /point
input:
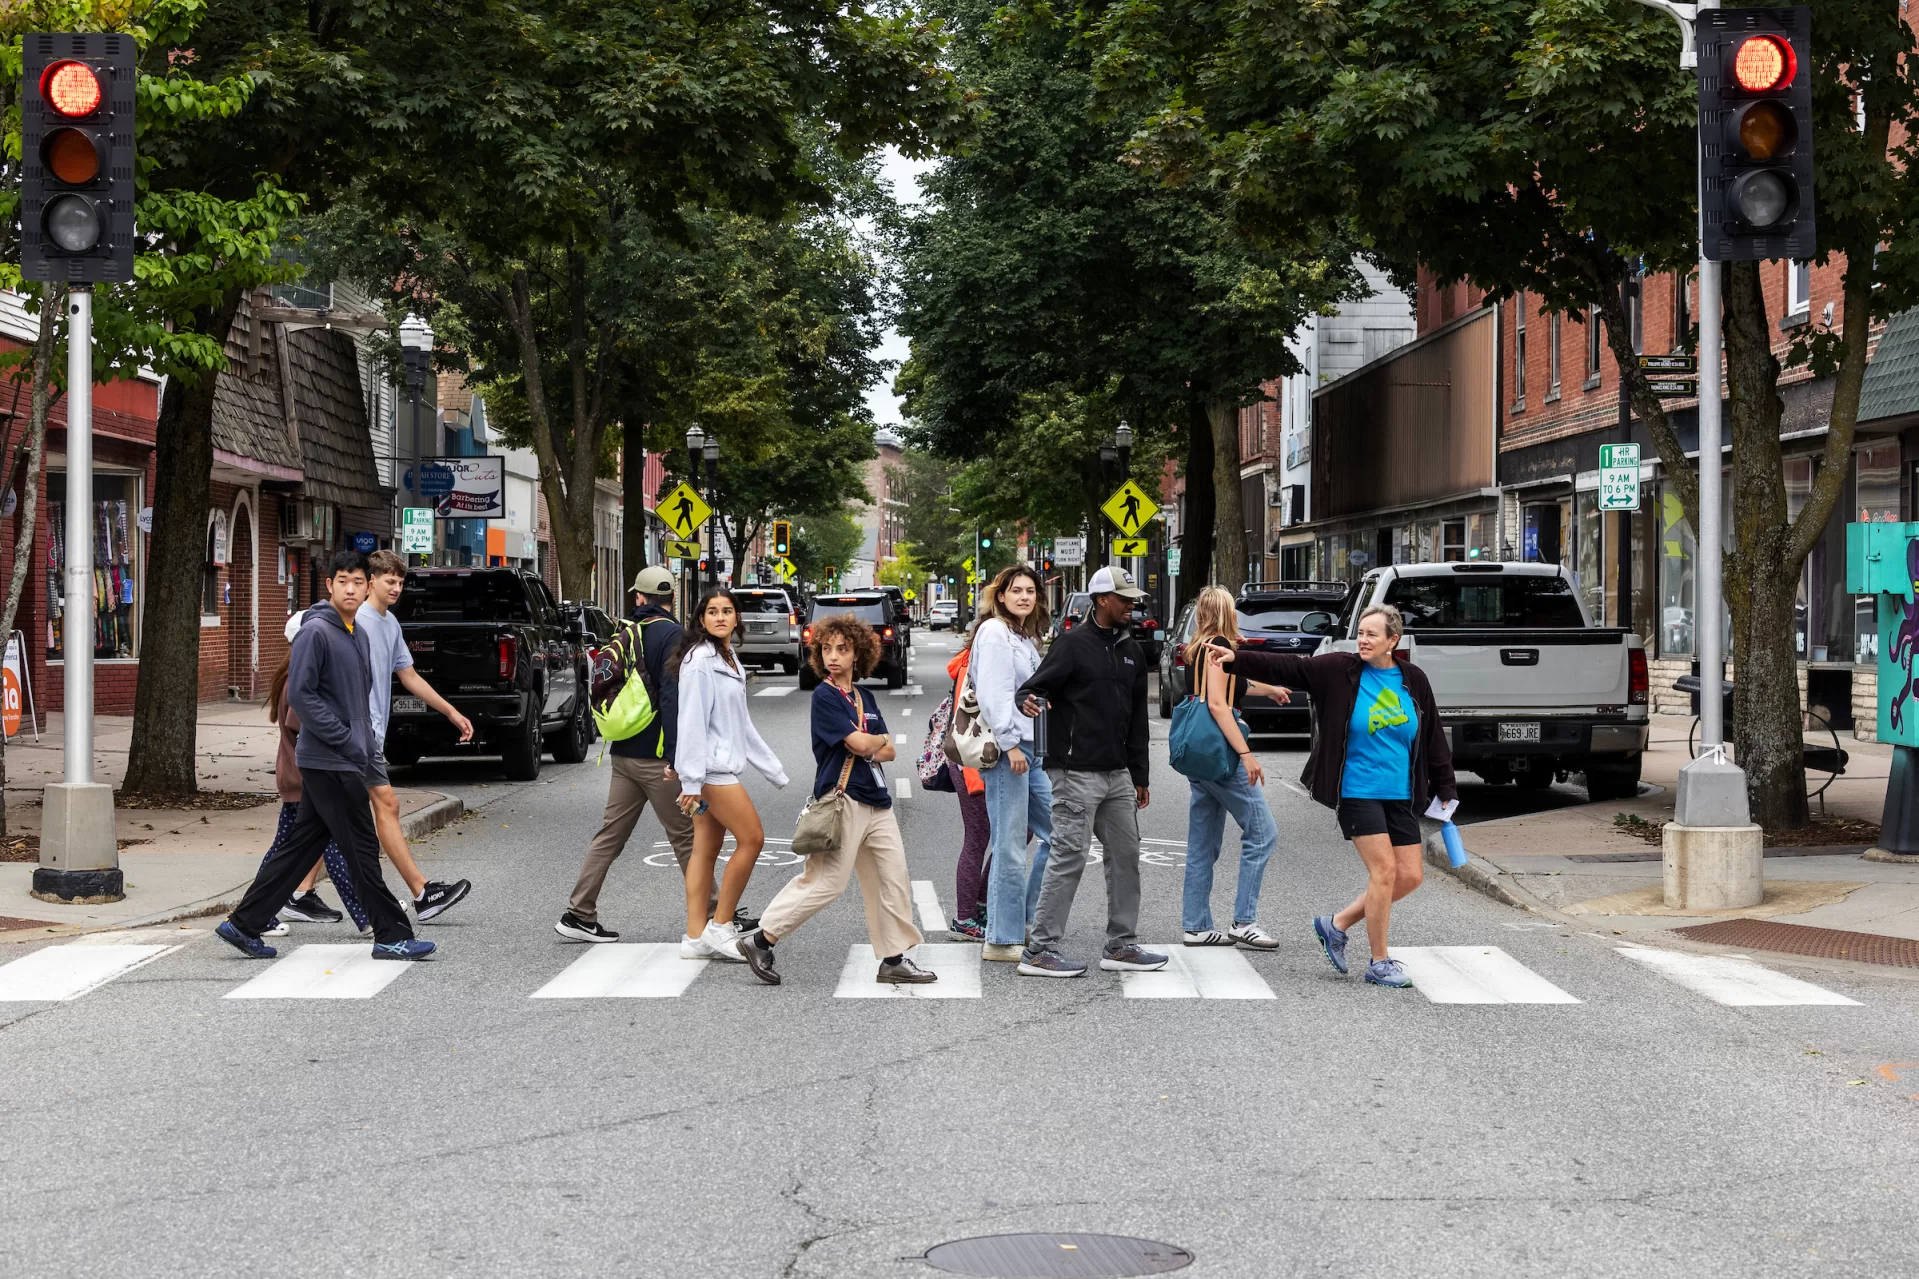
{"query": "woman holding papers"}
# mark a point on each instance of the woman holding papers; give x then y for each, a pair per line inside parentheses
(1379, 759)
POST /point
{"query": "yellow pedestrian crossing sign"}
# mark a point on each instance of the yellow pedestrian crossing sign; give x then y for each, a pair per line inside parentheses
(1129, 546)
(786, 569)
(682, 550)
(1130, 509)
(684, 511)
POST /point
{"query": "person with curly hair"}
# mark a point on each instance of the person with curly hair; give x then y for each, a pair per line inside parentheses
(850, 742)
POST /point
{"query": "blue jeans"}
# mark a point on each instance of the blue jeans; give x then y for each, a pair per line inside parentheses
(1015, 805)
(1206, 829)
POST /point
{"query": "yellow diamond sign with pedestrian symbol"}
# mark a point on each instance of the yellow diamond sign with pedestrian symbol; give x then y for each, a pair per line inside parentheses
(786, 569)
(683, 511)
(1130, 509)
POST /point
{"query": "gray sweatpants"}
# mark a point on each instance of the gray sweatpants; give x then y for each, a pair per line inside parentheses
(1084, 805)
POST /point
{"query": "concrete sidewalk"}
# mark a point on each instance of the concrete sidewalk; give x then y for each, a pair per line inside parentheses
(1580, 865)
(178, 862)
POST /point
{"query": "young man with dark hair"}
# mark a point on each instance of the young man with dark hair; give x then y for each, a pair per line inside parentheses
(642, 766)
(328, 688)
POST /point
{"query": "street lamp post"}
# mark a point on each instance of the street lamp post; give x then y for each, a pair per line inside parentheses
(712, 451)
(695, 441)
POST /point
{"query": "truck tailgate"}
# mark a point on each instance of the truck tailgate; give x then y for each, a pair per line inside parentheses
(449, 654)
(1524, 670)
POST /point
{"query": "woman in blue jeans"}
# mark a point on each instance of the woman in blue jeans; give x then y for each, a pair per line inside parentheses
(1216, 624)
(1019, 798)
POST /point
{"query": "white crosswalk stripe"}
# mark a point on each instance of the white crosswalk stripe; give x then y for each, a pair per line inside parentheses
(1198, 972)
(626, 970)
(70, 971)
(324, 972)
(957, 965)
(1732, 980)
(926, 900)
(902, 788)
(777, 690)
(1475, 975)
(911, 690)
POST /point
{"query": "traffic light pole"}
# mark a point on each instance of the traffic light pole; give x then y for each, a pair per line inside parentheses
(79, 854)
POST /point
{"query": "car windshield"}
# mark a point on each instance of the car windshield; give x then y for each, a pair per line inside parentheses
(1077, 604)
(1264, 615)
(1477, 603)
(872, 611)
(762, 601)
(463, 597)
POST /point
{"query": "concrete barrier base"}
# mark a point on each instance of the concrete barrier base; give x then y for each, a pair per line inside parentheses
(1714, 867)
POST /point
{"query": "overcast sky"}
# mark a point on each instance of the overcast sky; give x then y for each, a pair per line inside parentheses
(902, 174)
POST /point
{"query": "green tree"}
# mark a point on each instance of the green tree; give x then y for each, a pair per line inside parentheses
(1042, 265)
(1550, 148)
(822, 541)
(932, 526)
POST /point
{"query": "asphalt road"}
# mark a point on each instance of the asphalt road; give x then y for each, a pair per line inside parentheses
(452, 1124)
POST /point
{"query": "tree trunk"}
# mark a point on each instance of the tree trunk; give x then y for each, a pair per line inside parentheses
(52, 306)
(166, 701)
(633, 496)
(1196, 529)
(1229, 521)
(1761, 576)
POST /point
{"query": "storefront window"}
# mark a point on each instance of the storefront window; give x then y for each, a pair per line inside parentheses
(1453, 541)
(1676, 550)
(1798, 489)
(1586, 549)
(1877, 503)
(111, 615)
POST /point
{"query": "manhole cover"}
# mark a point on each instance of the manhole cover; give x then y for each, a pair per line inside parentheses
(1046, 1256)
(1799, 939)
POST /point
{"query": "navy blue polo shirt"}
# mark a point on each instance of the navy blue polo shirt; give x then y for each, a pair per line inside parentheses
(833, 719)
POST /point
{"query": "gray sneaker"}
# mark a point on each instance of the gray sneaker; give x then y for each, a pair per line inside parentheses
(1132, 959)
(905, 973)
(1050, 963)
(1387, 972)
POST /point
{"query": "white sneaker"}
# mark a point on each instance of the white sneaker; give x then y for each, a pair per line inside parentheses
(723, 941)
(1211, 937)
(277, 928)
(1251, 934)
(694, 948)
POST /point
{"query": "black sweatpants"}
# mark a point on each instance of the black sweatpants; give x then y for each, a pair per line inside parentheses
(333, 805)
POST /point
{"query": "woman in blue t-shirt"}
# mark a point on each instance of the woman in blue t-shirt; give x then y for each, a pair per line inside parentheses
(850, 742)
(1379, 758)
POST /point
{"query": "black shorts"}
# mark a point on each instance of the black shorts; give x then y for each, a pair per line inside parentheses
(1393, 818)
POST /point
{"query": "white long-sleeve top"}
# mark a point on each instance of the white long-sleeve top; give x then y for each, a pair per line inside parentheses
(1002, 661)
(716, 735)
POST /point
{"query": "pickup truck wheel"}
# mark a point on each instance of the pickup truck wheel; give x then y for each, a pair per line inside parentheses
(521, 758)
(1613, 780)
(572, 743)
(896, 674)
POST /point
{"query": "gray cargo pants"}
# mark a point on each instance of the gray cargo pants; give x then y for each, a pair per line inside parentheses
(1084, 805)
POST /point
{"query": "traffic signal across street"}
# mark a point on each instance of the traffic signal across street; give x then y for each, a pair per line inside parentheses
(76, 143)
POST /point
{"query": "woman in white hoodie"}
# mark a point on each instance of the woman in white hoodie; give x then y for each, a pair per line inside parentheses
(717, 741)
(1019, 796)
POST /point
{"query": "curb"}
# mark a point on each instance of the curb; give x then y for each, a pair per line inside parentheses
(1477, 874)
(441, 813)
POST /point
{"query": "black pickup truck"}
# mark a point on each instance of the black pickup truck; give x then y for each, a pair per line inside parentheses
(493, 642)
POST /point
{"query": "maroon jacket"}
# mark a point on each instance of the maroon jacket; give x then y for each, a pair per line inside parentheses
(1332, 679)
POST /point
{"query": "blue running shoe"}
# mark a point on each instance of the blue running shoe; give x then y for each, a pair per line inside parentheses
(1387, 972)
(411, 948)
(251, 947)
(1050, 963)
(1331, 940)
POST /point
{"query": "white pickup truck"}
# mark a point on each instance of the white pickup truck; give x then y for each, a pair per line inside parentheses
(1528, 688)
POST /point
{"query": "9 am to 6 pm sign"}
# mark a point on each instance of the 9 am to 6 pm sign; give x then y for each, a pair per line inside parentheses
(1619, 477)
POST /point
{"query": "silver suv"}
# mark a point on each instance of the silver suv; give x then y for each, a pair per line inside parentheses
(769, 633)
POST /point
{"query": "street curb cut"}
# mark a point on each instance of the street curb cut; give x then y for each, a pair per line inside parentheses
(1476, 874)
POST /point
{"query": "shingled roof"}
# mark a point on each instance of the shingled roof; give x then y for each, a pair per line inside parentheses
(249, 415)
(1892, 379)
(335, 437)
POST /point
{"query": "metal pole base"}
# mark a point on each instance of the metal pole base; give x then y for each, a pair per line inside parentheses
(79, 854)
(1712, 854)
(1899, 822)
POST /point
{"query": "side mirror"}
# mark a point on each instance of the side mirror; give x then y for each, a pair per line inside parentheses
(1317, 623)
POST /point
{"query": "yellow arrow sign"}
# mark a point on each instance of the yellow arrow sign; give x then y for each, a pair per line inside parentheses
(683, 510)
(1130, 509)
(1129, 546)
(682, 550)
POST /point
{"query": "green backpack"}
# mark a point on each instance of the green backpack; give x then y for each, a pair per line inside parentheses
(624, 700)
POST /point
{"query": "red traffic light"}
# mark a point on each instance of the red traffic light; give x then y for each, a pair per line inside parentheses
(71, 88)
(1763, 63)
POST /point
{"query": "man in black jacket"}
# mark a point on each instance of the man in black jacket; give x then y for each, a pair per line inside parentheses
(642, 766)
(328, 685)
(1094, 681)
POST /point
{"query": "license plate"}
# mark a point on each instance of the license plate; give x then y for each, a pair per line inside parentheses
(1519, 732)
(761, 628)
(408, 706)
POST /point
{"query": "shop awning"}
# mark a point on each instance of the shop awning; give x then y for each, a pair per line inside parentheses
(1892, 378)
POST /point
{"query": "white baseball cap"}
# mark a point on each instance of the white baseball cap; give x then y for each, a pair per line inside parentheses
(1114, 581)
(294, 623)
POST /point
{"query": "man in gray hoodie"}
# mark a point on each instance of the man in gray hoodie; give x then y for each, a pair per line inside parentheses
(328, 679)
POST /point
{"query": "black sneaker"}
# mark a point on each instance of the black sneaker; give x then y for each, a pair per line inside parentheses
(571, 926)
(747, 923)
(437, 898)
(760, 959)
(310, 908)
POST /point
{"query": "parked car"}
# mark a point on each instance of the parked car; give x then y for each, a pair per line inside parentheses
(591, 622)
(944, 613)
(769, 633)
(1147, 632)
(495, 643)
(1528, 688)
(1071, 615)
(1269, 620)
(876, 610)
(902, 614)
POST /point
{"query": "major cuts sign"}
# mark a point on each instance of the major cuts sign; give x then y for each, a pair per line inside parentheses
(464, 488)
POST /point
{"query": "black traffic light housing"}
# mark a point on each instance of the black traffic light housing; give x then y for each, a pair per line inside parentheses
(1755, 134)
(782, 537)
(986, 542)
(1046, 564)
(76, 157)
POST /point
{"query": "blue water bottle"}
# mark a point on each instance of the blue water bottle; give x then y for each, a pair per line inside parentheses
(1455, 849)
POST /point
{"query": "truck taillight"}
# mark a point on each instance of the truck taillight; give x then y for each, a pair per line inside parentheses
(508, 656)
(1638, 684)
(887, 634)
(792, 619)
(1152, 623)
(806, 636)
